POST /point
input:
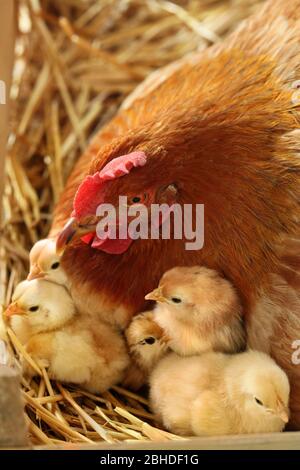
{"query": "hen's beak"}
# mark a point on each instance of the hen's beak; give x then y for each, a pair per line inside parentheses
(35, 273)
(14, 309)
(156, 295)
(72, 231)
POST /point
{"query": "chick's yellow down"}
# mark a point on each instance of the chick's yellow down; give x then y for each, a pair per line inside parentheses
(45, 263)
(218, 394)
(146, 340)
(147, 344)
(199, 311)
(74, 347)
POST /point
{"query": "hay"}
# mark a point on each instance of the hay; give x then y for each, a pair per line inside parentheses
(76, 60)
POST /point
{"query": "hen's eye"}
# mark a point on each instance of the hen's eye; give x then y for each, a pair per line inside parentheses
(150, 340)
(136, 199)
(55, 265)
(34, 308)
(259, 402)
(176, 300)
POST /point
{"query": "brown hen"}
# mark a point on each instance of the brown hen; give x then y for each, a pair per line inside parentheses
(222, 128)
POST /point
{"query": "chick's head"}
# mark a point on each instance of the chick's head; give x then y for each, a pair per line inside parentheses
(196, 293)
(146, 340)
(266, 388)
(44, 305)
(45, 262)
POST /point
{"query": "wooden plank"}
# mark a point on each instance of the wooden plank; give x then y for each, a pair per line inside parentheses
(275, 441)
(7, 36)
(13, 431)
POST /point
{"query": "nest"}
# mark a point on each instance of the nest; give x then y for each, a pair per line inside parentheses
(76, 61)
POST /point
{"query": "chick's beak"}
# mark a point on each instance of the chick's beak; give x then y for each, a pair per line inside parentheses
(283, 414)
(156, 295)
(14, 309)
(73, 230)
(35, 273)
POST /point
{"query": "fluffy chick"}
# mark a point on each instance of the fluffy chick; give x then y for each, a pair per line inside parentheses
(146, 340)
(45, 262)
(147, 344)
(220, 394)
(199, 311)
(75, 348)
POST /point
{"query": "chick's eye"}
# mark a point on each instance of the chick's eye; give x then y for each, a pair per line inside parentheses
(176, 300)
(34, 308)
(259, 402)
(150, 340)
(55, 265)
(136, 199)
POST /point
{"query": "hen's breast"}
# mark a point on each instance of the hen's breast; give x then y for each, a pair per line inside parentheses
(100, 305)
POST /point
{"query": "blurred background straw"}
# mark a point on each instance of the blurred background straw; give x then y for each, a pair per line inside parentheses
(75, 62)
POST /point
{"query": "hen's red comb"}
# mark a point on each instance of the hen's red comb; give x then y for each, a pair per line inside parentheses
(122, 165)
(90, 193)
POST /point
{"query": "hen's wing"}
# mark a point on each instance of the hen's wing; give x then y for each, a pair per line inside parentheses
(273, 325)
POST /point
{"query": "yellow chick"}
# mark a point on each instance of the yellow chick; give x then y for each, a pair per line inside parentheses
(45, 263)
(146, 340)
(74, 347)
(147, 344)
(218, 394)
(199, 311)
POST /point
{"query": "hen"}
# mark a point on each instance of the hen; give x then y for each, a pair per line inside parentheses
(220, 127)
